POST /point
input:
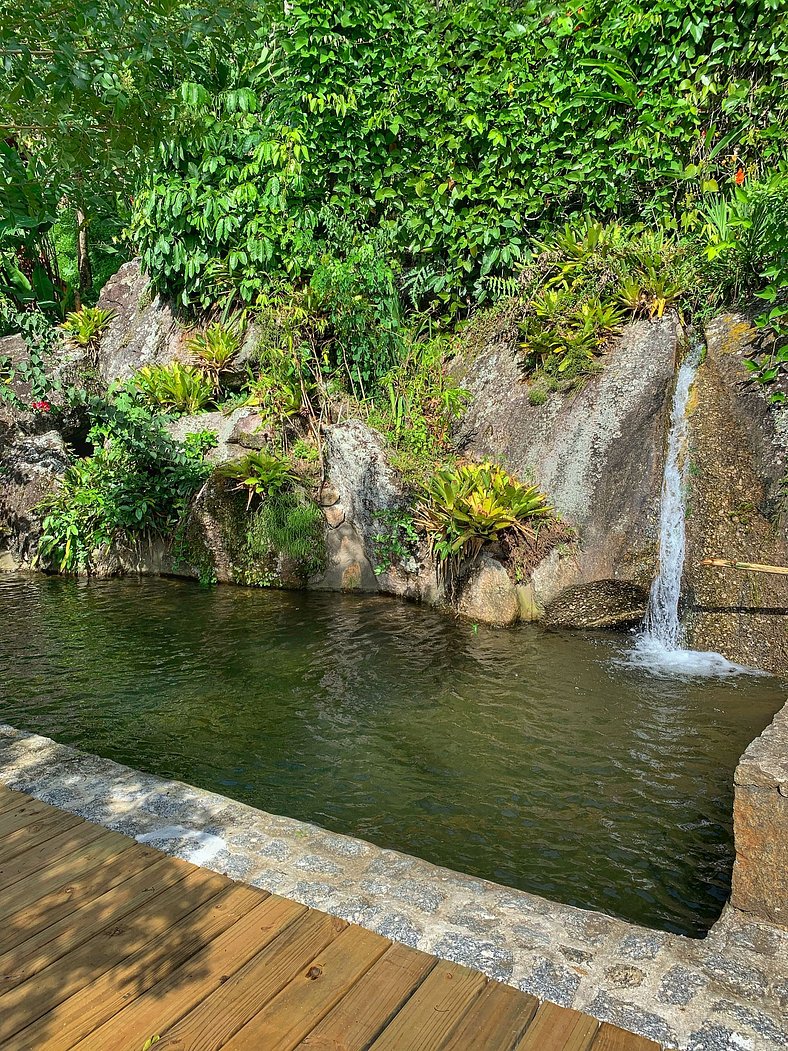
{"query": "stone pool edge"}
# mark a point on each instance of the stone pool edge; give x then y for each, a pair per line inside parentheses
(723, 991)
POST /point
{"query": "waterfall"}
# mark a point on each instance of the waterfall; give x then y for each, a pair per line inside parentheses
(658, 647)
(662, 617)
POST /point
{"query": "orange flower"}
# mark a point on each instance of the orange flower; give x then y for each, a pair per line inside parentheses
(739, 176)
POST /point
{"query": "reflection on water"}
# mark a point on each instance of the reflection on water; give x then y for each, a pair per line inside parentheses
(528, 757)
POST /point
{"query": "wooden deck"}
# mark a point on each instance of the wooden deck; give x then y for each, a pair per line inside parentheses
(105, 944)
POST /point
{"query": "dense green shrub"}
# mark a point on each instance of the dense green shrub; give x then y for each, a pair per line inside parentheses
(137, 484)
(461, 130)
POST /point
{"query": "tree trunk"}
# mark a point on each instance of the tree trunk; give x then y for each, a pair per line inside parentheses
(83, 257)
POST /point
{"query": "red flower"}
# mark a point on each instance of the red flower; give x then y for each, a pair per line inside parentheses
(41, 406)
(739, 177)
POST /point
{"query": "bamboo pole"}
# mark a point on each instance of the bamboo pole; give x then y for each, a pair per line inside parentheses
(753, 567)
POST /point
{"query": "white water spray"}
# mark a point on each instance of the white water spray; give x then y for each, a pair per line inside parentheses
(658, 648)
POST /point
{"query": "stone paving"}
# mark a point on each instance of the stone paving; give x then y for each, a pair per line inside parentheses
(728, 990)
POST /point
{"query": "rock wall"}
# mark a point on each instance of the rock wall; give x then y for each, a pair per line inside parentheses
(737, 463)
(599, 453)
(760, 825)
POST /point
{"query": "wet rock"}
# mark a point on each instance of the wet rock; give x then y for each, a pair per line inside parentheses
(602, 604)
(488, 595)
(738, 446)
(597, 451)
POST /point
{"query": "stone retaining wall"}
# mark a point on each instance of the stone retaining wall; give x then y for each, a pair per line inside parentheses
(760, 823)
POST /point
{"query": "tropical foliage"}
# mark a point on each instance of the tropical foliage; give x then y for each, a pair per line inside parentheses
(259, 473)
(464, 507)
(137, 484)
(177, 387)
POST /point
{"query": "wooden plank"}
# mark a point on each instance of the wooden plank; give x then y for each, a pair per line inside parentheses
(611, 1038)
(209, 1026)
(37, 830)
(170, 1000)
(371, 1004)
(72, 879)
(495, 1020)
(28, 1001)
(9, 798)
(558, 1029)
(45, 916)
(96, 1002)
(308, 998)
(42, 949)
(32, 861)
(22, 813)
(434, 1010)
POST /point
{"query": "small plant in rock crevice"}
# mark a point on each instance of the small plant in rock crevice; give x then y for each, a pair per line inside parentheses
(85, 326)
(215, 348)
(396, 540)
(259, 472)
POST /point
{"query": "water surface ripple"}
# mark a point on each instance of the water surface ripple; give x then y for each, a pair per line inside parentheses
(528, 757)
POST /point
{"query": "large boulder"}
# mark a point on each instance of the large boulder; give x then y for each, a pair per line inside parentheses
(147, 329)
(735, 509)
(598, 451)
(489, 595)
(360, 483)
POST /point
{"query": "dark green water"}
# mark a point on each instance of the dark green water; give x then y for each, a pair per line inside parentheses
(523, 756)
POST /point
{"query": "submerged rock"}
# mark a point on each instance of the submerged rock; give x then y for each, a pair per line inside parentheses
(735, 507)
(597, 451)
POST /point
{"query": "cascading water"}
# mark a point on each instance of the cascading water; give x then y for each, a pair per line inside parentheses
(662, 617)
(658, 647)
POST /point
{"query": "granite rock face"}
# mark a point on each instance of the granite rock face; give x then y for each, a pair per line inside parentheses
(145, 329)
(760, 821)
(31, 465)
(597, 451)
(737, 450)
(360, 483)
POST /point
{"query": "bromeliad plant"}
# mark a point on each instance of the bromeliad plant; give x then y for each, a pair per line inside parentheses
(259, 473)
(85, 326)
(174, 387)
(464, 507)
(215, 348)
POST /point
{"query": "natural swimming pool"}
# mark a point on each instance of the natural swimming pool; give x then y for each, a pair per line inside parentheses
(524, 756)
